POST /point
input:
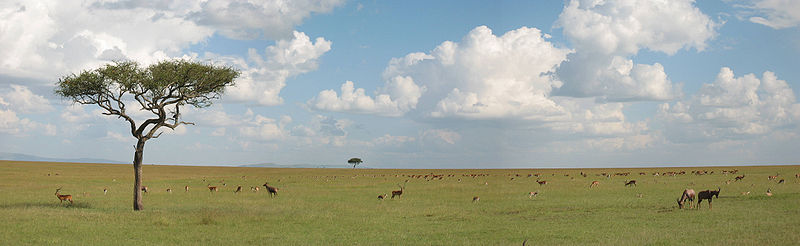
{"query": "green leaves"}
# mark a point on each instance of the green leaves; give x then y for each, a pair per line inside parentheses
(164, 83)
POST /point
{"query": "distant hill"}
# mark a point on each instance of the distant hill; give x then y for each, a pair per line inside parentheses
(296, 165)
(24, 157)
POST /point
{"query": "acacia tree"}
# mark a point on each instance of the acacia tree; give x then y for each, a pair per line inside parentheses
(354, 162)
(161, 89)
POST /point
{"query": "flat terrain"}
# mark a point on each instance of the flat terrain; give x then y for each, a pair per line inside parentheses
(340, 206)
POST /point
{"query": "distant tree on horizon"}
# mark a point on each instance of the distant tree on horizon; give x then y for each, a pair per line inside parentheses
(161, 89)
(354, 162)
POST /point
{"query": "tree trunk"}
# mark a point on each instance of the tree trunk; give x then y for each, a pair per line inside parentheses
(137, 174)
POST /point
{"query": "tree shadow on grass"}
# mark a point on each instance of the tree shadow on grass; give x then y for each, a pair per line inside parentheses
(76, 205)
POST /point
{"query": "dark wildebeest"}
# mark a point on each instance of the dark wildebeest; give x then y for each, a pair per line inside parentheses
(707, 194)
(688, 194)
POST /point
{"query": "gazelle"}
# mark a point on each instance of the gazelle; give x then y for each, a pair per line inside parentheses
(63, 197)
(632, 182)
(543, 182)
(145, 189)
(594, 183)
(212, 188)
(399, 193)
(238, 189)
(532, 194)
(186, 188)
(169, 190)
(476, 199)
(381, 197)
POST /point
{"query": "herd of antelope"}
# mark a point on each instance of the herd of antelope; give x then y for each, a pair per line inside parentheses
(687, 195)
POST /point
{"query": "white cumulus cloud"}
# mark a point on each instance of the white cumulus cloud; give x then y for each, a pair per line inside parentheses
(606, 33)
(399, 96)
(264, 76)
(732, 107)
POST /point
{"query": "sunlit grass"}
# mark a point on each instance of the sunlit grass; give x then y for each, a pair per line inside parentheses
(340, 207)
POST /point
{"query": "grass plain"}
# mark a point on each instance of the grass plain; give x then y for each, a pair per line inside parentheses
(340, 207)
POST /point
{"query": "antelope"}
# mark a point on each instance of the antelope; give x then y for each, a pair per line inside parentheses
(145, 189)
(532, 194)
(739, 177)
(632, 182)
(186, 188)
(169, 190)
(238, 188)
(272, 190)
(63, 197)
(594, 183)
(105, 190)
(797, 175)
(212, 188)
(769, 192)
(688, 194)
(707, 194)
(381, 197)
(781, 181)
(543, 182)
(399, 193)
(745, 193)
(772, 177)
(476, 199)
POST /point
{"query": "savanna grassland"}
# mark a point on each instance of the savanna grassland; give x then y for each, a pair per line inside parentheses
(340, 207)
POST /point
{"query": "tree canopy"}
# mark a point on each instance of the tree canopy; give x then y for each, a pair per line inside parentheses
(354, 161)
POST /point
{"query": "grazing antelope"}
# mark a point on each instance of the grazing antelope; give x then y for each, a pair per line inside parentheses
(769, 192)
(632, 182)
(781, 181)
(169, 190)
(476, 199)
(532, 194)
(594, 183)
(212, 188)
(543, 182)
(381, 197)
(272, 190)
(739, 177)
(63, 197)
(186, 188)
(707, 194)
(745, 193)
(797, 175)
(772, 177)
(105, 190)
(238, 189)
(145, 189)
(688, 194)
(399, 193)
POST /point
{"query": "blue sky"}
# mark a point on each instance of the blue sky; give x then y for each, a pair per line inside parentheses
(421, 84)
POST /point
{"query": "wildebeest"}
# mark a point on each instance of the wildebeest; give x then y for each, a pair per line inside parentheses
(688, 194)
(707, 194)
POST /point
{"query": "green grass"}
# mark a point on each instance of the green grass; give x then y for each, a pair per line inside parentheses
(339, 207)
